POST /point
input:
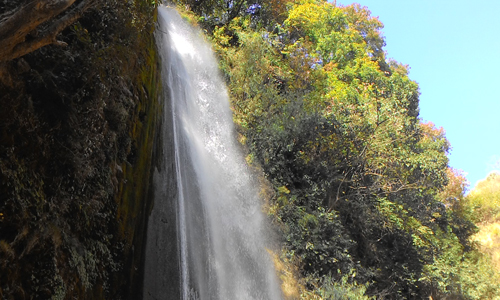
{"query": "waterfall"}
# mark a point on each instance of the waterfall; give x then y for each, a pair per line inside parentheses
(208, 241)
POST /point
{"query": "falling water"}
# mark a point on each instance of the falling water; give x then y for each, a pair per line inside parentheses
(219, 237)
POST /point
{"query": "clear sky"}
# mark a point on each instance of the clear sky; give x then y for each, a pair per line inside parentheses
(453, 50)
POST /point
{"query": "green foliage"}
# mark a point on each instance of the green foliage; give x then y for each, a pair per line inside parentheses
(484, 199)
(213, 13)
(361, 185)
(457, 272)
(343, 289)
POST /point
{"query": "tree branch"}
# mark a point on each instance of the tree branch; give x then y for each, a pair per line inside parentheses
(15, 28)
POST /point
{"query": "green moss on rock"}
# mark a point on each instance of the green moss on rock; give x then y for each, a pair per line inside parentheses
(76, 148)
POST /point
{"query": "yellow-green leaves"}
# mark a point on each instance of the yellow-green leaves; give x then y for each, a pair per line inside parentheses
(484, 199)
(357, 176)
(399, 218)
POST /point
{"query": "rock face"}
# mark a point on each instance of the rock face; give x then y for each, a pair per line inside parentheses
(77, 145)
(161, 264)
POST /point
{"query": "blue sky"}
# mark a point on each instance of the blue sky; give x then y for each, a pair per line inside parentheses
(453, 50)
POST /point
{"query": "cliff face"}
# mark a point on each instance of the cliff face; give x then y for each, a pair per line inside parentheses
(77, 140)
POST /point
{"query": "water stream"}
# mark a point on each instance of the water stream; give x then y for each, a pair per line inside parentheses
(209, 240)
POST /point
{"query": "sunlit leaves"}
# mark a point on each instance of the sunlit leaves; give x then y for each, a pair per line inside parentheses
(454, 191)
(359, 181)
(369, 28)
(484, 199)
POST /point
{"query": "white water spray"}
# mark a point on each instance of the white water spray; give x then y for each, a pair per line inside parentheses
(220, 226)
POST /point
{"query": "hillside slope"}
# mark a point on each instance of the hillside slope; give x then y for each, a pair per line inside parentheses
(358, 185)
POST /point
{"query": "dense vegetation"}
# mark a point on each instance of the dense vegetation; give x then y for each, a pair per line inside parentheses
(360, 186)
(484, 199)
(72, 121)
(483, 203)
(357, 184)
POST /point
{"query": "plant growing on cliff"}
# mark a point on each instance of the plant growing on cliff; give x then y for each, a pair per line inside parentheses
(68, 120)
(360, 183)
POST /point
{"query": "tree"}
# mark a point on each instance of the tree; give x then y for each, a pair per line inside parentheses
(215, 13)
(26, 28)
(484, 199)
(361, 184)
